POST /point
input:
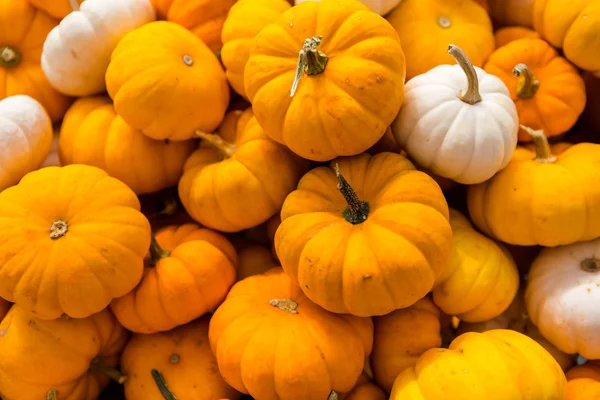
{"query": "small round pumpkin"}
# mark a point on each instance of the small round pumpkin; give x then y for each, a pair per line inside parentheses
(244, 21)
(504, 36)
(365, 389)
(26, 137)
(497, 364)
(458, 121)
(511, 12)
(190, 272)
(548, 91)
(315, 352)
(20, 48)
(254, 260)
(174, 364)
(549, 199)
(426, 27)
(400, 339)
(204, 18)
(92, 133)
(247, 166)
(77, 52)
(583, 382)
(326, 79)
(481, 279)
(563, 289)
(166, 82)
(65, 358)
(58, 9)
(71, 239)
(370, 244)
(381, 7)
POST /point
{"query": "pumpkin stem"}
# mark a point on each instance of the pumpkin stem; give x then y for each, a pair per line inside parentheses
(170, 206)
(543, 153)
(58, 229)
(310, 61)
(9, 57)
(357, 211)
(225, 148)
(591, 265)
(444, 22)
(471, 94)
(156, 252)
(287, 305)
(529, 84)
(51, 395)
(333, 395)
(74, 5)
(162, 385)
(97, 365)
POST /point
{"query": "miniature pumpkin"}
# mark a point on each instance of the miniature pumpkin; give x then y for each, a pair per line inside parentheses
(563, 289)
(92, 133)
(77, 52)
(190, 272)
(254, 260)
(548, 91)
(166, 82)
(348, 77)
(204, 18)
(511, 12)
(382, 234)
(504, 36)
(573, 26)
(467, 134)
(315, 352)
(245, 19)
(26, 137)
(20, 48)
(364, 389)
(583, 382)
(175, 363)
(426, 27)
(381, 7)
(552, 199)
(71, 239)
(497, 364)
(57, 8)
(249, 166)
(400, 339)
(70, 358)
(481, 279)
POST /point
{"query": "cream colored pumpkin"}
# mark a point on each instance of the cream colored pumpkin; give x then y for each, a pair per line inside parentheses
(77, 52)
(381, 7)
(25, 138)
(458, 121)
(563, 294)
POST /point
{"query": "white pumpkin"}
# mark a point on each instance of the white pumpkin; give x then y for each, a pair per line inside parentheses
(563, 295)
(25, 138)
(77, 52)
(458, 121)
(381, 7)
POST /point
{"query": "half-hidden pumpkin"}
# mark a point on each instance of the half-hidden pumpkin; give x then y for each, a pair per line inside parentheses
(57, 8)
(583, 382)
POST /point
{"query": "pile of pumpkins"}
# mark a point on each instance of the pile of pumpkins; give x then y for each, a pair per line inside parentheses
(336, 199)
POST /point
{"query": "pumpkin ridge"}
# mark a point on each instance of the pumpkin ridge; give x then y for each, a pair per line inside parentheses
(261, 183)
(386, 284)
(216, 194)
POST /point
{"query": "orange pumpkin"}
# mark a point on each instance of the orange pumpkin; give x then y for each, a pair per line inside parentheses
(400, 339)
(175, 363)
(364, 389)
(315, 351)
(191, 270)
(583, 382)
(21, 42)
(548, 91)
(505, 35)
(511, 12)
(68, 358)
(204, 18)
(254, 260)
(57, 8)
(370, 244)
(92, 133)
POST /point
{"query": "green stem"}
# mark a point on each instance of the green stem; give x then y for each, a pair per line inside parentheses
(311, 61)
(357, 210)
(156, 252)
(9, 57)
(97, 365)
(528, 84)
(162, 385)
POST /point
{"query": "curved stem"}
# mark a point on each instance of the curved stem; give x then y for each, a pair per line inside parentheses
(162, 385)
(357, 211)
(51, 395)
(287, 305)
(591, 265)
(310, 61)
(542, 147)
(156, 252)
(10, 57)
(528, 85)
(471, 94)
(225, 148)
(97, 365)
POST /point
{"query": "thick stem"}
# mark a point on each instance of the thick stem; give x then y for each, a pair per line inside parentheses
(357, 211)
(333, 395)
(51, 395)
(58, 229)
(74, 5)
(311, 61)
(97, 365)
(156, 252)
(591, 265)
(225, 148)
(543, 153)
(471, 94)
(528, 85)
(287, 305)
(9, 57)
(162, 385)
